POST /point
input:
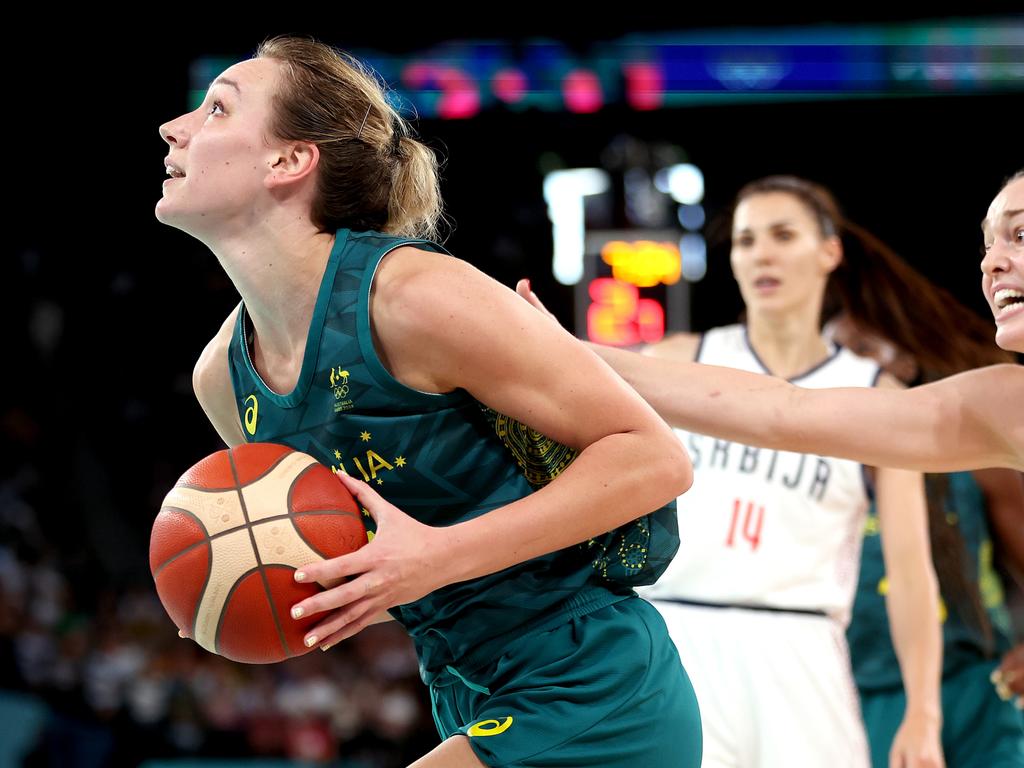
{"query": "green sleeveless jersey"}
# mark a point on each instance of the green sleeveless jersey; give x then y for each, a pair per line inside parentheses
(441, 458)
(875, 665)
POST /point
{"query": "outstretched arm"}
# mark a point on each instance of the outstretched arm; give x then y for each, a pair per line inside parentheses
(968, 421)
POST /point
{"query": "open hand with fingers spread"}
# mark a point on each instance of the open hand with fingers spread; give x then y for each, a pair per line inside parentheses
(404, 562)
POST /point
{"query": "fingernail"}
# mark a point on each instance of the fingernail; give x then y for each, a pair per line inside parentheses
(528, 286)
(311, 641)
(324, 647)
(996, 676)
(181, 634)
(1004, 692)
(300, 576)
(297, 612)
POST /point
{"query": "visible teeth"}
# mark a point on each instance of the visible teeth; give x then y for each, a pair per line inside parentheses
(173, 172)
(1006, 296)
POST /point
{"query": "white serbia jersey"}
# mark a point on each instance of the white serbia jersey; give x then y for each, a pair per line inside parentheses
(769, 528)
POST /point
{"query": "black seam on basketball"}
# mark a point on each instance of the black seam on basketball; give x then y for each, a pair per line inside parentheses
(291, 515)
(298, 531)
(259, 560)
(204, 488)
(202, 594)
(268, 470)
(276, 518)
(190, 547)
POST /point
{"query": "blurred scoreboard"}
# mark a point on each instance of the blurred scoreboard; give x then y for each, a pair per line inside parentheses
(631, 282)
(632, 287)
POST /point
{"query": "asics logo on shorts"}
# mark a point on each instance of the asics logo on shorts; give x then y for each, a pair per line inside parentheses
(489, 727)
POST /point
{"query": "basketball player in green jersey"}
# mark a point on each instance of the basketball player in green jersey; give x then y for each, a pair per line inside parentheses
(978, 728)
(362, 343)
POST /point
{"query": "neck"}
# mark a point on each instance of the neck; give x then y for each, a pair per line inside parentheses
(787, 343)
(277, 267)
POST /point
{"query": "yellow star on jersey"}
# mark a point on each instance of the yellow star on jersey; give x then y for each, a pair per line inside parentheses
(337, 454)
(365, 437)
(400, 461)
(379, 481)
(366, 512)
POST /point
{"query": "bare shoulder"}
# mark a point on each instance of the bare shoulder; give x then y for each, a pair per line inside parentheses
(410, 275)
(678, 346)
(425, 304)
(211, 370)
(420, 295)
(993, 387)
(211, 381)
(1005, 376)
(989, 399)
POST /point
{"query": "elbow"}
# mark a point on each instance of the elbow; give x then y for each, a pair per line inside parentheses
(678, 467)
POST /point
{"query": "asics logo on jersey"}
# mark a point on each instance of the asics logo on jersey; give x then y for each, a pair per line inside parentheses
(251, 413)
(489, 727)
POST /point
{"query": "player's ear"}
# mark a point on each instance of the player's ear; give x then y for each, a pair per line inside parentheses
(292, 162)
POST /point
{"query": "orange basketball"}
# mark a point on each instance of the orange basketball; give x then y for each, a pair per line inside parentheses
(229, 538)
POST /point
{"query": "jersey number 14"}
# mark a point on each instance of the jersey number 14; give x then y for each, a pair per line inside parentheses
(749, 527)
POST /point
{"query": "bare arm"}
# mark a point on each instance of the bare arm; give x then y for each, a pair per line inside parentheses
(967, 421)
(443, 325)
(678, 346)
(912, 603)
(211, 381)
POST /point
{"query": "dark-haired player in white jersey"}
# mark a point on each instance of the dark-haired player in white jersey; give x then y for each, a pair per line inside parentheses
(759, 594)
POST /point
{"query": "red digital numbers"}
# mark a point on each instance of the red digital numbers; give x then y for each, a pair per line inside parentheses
(619, 317)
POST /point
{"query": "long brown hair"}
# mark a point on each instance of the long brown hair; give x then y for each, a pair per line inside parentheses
(373, 173)
(884, 295)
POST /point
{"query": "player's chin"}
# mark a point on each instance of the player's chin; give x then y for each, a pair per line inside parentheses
(170, 215)
(165, 212)
(1010, 336)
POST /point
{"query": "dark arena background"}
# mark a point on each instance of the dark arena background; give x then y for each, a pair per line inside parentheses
(568, 148)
